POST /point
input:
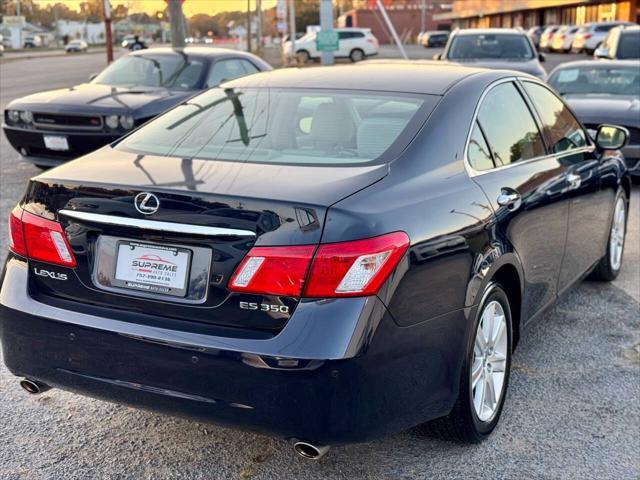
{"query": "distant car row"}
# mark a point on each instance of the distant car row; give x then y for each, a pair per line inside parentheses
(51, 127)
(573, 38)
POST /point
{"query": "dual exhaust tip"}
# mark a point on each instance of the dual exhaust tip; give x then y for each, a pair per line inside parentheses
(34, 387)
(307, 450)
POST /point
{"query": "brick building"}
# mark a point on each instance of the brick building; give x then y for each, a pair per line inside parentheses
(409, 18)
(529, 13)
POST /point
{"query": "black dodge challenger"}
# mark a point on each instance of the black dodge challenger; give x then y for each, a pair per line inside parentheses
(329, 255)
(52, 127)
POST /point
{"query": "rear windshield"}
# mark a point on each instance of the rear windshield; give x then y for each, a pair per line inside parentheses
(597, 79)
(153, 70)
(292, 126)
(490, 46)
(629, 45)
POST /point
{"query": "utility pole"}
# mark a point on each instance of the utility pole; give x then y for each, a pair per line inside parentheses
(107, 30)
(177, 23)
(20, 27)
(259, 33)
(326, 23)
(392, 29)
(423, 12)
(249, 26)
(292, 28)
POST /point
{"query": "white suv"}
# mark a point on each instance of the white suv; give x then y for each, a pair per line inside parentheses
(354, 43)
(591, 35)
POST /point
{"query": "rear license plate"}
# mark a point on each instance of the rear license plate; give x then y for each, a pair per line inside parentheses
(152, 268)
(56, 142)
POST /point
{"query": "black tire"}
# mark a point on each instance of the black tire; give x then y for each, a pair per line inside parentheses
(605, 271)
(303, 56)
(462, 423)
(356, 55)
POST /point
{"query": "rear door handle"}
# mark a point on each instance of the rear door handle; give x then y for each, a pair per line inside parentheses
(574, 181)
(509, 198)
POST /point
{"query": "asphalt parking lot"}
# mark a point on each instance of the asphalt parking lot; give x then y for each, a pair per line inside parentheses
(572, 411)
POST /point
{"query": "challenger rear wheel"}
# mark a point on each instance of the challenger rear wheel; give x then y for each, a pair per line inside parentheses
(485, 373)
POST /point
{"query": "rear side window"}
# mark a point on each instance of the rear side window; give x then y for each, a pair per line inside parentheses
(285, 126)
(509, 127)
(604, 28)
(478, 152)
(560, 126)
(629, 46)
(224, 70)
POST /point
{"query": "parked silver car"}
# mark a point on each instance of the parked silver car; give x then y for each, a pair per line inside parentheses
(500, 48)
(591, 35)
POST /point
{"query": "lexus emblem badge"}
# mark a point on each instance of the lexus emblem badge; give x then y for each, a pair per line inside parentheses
(146, 203)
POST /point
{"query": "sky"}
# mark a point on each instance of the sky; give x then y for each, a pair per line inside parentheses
(190, 7)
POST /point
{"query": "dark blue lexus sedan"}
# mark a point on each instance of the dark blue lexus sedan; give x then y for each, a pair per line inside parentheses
(52, 127)
(329, 255)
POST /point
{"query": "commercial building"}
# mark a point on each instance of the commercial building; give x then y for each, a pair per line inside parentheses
(409, 18)
(529, 13)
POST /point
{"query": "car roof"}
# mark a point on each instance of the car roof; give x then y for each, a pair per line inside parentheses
(404, 76)
(598, 64)
(489, 31)
(629, 28)
(195, 51)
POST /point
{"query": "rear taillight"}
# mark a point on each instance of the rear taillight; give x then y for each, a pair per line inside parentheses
(16, 234)
(345, 269)
(273, 271)
(587, 36)
(563, 37)
(357, 268)
(39, 239)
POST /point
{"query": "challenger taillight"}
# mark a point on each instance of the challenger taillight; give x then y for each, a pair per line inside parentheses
(39, 239)
(587, 36)
(344, 269)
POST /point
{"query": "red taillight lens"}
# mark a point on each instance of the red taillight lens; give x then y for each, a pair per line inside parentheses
(273, 271)
(345, 269)
(587, 36)
(357, 268)
(39, 239)
(16, 234)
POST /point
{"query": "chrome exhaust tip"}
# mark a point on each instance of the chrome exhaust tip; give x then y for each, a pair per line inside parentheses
(310, 451)
(33, 387)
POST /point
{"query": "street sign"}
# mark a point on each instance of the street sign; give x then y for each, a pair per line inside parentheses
(281, 9)
(13, 21)
(282, 26)
(327, 41)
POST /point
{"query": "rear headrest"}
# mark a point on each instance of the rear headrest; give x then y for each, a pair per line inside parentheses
(375, 135)
(332, 124)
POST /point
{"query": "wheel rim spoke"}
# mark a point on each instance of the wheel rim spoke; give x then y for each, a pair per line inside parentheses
(476, 373)
(616, 242)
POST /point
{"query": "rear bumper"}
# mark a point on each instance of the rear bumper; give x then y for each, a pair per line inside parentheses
(35, 151)
(328, 377)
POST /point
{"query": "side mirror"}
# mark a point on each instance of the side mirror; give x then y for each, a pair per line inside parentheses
(92, 76)
(601, 52)
(542, 57)
(437, 56)
(611, 137)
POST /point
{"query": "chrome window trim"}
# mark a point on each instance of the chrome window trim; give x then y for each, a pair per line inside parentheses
(183, 228)
(472, 172)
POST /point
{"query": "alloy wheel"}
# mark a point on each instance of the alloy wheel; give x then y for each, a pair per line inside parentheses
(489, 361)
(616, 239)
